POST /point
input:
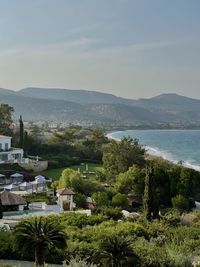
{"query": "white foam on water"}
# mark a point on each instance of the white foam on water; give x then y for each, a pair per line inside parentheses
(110, 136)
(191, 166)
(154, 151)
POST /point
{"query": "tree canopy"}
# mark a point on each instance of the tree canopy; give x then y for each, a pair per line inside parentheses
(119, 156)
(5, 119)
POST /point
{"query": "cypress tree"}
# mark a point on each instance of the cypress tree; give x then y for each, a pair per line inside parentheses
(147, 199)
(21, 132)
(25, 145)
(150, 201)
(1, 210)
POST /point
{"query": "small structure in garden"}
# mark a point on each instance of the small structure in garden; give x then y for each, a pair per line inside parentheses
(65, 199)
(90, 203)
(39, 185)
(17, 178)
(2, 179)
(11, 187)
(26, 186)
(11, 201)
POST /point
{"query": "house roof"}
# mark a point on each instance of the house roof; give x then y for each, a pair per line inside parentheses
(10, 199)
(16, 175)
(11, 186)
(40, 179)
(65, 191)
(89, 200)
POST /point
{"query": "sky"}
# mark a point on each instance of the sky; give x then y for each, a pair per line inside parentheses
(130, 48)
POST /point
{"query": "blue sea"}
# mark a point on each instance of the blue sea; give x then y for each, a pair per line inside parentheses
(173, 145)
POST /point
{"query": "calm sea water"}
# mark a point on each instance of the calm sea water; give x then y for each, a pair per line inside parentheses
(173, 145)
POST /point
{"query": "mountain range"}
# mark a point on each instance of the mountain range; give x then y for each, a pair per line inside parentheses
(90, 107)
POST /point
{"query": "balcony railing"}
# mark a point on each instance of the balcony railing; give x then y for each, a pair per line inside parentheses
(10, 149)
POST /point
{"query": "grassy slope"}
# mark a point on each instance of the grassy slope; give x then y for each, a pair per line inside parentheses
(56, 173)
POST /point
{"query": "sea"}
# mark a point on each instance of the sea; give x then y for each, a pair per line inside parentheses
(172, 145)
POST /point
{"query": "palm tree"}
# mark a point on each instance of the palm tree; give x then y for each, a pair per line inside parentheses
(117, 251)
(37, 236)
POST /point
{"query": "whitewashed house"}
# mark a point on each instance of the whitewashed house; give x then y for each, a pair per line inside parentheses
(7, 153)
(65, 199)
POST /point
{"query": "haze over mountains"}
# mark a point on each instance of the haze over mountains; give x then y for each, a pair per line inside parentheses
(90, 107)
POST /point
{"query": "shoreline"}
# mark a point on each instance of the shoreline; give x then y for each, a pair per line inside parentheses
(158, 153)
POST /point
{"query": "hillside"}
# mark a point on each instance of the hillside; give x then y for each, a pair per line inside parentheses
(170, 102)
(90, 107)
(78, 96)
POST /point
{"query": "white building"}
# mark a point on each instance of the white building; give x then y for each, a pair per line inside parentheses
(65, 199)
(7, 153)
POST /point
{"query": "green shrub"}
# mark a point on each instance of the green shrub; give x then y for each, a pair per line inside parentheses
(181, 203)
(100, 199)
(81, 220)
(110, 212)
(80, 201)
(151, 254)
(77, 262)
(81, 250)
(172, 218)
(120, 200)
(6, 245)
(39, 197)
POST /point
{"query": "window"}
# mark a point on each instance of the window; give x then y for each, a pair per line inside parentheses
(4, 157)
(6, 146)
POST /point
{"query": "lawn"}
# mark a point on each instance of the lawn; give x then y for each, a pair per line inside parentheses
(56, 173)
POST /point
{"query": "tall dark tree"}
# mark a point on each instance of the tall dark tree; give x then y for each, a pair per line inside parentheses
(1, 210)
(25, 144)
(6, 119)
(147, 199)
(21, 132)
(150, 201)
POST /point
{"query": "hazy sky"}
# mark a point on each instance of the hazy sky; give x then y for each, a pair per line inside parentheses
(131, 48)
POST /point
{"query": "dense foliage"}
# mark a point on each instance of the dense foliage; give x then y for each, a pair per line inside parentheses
(97, 240)
(67, 147)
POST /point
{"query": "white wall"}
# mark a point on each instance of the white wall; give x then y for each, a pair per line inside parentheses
(6, 154)
(5, 140)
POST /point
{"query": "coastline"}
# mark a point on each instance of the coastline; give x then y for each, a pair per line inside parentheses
(158, 153)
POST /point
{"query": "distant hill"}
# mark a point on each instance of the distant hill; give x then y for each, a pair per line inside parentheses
(90, 107)
(170, 102)
(78, 96)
